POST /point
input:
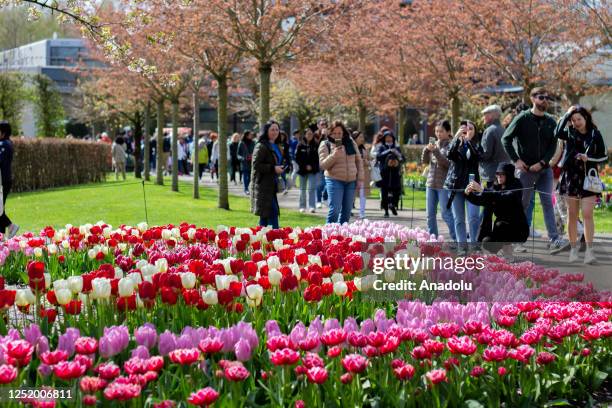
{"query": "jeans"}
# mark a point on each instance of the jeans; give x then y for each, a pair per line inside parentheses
(362, 202)
(294, 173)
(246, 179)
(543, 182)
(272, 220)
(433, 197)
(308, 183)
(341, 194)
(529, 211)
(320, 186)
(473, 211)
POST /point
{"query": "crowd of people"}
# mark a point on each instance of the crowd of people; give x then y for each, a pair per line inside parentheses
(494, 175)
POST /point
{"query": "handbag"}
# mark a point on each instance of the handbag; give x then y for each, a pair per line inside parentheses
(592, 182)
(375, 175)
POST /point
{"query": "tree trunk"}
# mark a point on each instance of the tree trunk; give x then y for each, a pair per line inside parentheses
(222, 140)
(363, 115)
(401, 125)
(160, 144)
(137, 140)
(526, 91)
(175, 112)
(196, 154)
(455, 111)
(265, 72)
(147, 142)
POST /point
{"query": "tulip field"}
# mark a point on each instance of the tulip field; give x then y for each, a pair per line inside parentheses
(178, 316)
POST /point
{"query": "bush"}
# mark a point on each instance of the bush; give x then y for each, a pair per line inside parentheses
(46, 163)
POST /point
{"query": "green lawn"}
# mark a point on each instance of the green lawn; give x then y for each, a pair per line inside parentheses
(121, 202)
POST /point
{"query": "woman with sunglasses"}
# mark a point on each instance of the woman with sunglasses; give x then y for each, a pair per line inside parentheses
(504, 202)
(463, 154)
(584, 149)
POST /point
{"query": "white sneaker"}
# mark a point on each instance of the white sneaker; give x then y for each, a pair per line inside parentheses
(319, 205)
(12, 230)
(312, 210)
(560, 244)
(589, 256)
(302, 210)
(573, 256)
(520, 248)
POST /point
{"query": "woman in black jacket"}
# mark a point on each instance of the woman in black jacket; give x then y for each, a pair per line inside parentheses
(463, 154)
(234, 162)
(307, 159)
(6, 160)
(245, 155)
(504, 201)
(389, 159)
(267, 166)
(584, 149)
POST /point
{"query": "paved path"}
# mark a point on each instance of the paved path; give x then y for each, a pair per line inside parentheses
(600, 274)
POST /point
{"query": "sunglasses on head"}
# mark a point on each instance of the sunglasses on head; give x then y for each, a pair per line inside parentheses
(543, 97)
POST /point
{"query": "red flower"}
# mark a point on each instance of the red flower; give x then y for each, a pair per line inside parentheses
(502, 371)
(73, 307)
(211, 345)
(89, 400)
(477, 371)
(436, 376)
(91, 385)
(357, 339)
(169, 295)
(236, 372)
(21, 351)
(225, 296)
(7, 373)
(7, 298)
(333, 337)
(122, 392)
(495, 353)
(86, 345)
(54, 357)
(334, 352)
(288, 283)
(346, 378)
(108, 371)
(68, 370)
(354, 363)
(461, 345)
(404, 372)
(184, 356)
(317, 375)
(203, 397)
(36, 271)
(313, 293)
(155, 363)
(285, 356)
(545, 357)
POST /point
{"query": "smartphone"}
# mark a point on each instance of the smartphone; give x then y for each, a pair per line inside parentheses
(471, 177)
(432, 140)
(338, 142)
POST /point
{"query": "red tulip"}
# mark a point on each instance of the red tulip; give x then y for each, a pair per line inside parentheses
(7, 373)
(317, 375)
(210, 345)
(54, 357)
(204, 397)
(285, 356)
(404, 372)
(68, 370)
(354, 363)
(436, 376)
(184, 356)
(236, 372)
(86, 345)
(91, 384)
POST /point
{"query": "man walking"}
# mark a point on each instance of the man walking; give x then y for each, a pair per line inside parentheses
(533, 133)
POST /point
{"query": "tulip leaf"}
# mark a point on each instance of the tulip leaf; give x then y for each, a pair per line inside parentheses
(557, 403)
(473, 404)
(570, 376)
(598, 378)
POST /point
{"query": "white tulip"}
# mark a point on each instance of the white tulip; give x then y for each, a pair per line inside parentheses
(148, 270)
(254, 292)
(274, 262)
(191, 233)
(295, 269)
(340, 288)
(63, 296)
(227, 265)
(300, 251)
(141, 263)
(106, 232)
(38, 252)
(223, 281)
(47, 280)
(315, 259)
(101, 288)
(29, 295)
(135, 277)
(188, 279)
(75, 284)
(166, 234)
(126, 287)
(162, 265)
(357, 282)
(52, 249)
(277, 244)
(293, 236)
(104, 250)
(327, 280)
(337, 277)
(83, 230)
(20, 298)
(118, 272)
(142, 227)
(83, 298)
(122, 246)
(65, 244)
(92, 254)
(210, 297)
(176, 233)
(135, 232)
(260, 264)
(389, 275)
(60, 284)
(274, 277)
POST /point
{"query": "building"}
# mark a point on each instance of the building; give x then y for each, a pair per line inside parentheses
(53, 58)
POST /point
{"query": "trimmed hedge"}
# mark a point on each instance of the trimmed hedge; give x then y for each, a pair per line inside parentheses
(40, 163)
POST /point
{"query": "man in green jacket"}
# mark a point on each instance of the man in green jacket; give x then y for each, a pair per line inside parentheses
(530, 142)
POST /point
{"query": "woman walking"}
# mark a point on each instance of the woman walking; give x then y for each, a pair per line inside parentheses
(6, 160)
(463, 155)
(584, 149)
(340, 159)
(307, 159)
(267, 167)
(245, 155)
(234, 162)
(389, 159)
(119, 159)
(434, 154)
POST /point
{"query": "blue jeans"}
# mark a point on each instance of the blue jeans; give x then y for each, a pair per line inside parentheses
(530, 210)
(341, 196)
(433, 197)
(246, 179)
(272, 220)
(459, 203)
(543, 182)
(308, 183)
(320, 186)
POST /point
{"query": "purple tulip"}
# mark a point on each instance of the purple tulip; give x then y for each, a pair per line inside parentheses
(32, 334)
(140, 351)
(298, 333)
(66, 340)
(45, 370)
(114, 341)
(272, 328)
(146, 335)
(167, 343)
(184, 342)
(42, 346)
(243, 350)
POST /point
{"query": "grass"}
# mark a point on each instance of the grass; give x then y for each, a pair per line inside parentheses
(119, 202)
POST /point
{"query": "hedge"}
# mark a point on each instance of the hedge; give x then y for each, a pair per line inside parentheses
(40, 163)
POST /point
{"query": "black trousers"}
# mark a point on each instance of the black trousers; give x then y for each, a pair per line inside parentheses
(235, 167)
(499, 236)
(4, 219)
(389, 196)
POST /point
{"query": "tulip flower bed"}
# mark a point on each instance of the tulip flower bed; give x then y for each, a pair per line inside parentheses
(243, 317)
